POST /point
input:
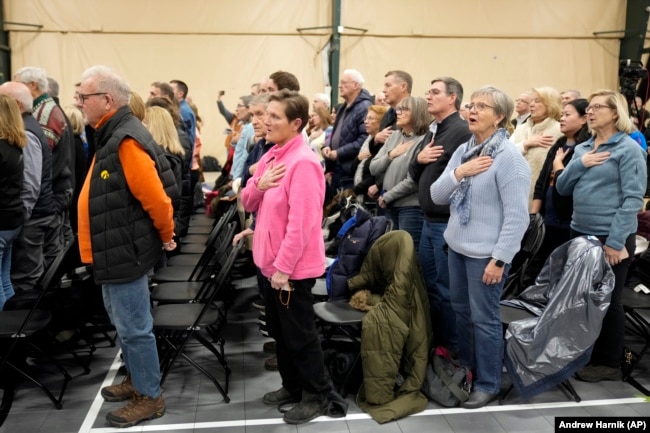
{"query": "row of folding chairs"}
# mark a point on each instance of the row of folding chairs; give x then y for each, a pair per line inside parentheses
(192, 294)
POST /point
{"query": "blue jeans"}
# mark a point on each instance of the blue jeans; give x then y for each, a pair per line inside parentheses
(408, 218)
(435, 269)
(6, 241)
(129, 308)
(480, 333)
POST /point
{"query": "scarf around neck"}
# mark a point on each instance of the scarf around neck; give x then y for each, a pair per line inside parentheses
(461, 197)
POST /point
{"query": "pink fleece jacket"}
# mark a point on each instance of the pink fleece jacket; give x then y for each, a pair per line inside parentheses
(288, 236)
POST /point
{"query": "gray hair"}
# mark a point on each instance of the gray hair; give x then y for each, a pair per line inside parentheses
(503, 104)
(34, 74)
(324, 98)
(260, 99)
(420, 117)
(355, 76)
(452, 87)
(108, 81)
(574, 92)
(20, 92)
(52, 87)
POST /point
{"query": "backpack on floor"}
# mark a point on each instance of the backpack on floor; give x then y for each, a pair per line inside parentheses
(446, 382)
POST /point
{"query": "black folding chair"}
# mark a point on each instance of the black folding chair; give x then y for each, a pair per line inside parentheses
(530, 245)
(198, 248)
(338, 318)
(19, 329)
(201, 238)
(200, 270)
(637, 323)
(191, 291)
(176, 324)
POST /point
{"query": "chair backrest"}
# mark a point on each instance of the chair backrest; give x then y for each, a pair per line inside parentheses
(49, 280)
(212, 244)
(219, 254)
(218, 281)
(530, 245)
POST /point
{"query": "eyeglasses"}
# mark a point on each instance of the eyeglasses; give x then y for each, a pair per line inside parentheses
(400, 110)
(83, 97)
(371, 119)
(597, 107)
(480, 106)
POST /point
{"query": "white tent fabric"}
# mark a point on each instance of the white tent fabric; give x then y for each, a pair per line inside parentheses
(212, 45)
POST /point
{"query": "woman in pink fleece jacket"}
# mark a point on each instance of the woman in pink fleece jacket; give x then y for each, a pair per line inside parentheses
(287, 192)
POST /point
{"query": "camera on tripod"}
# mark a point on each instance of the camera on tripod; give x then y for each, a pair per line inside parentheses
(631, 69)
(630, 72)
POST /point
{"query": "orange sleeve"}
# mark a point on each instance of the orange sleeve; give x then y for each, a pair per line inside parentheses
(83, 219)
(145, 185)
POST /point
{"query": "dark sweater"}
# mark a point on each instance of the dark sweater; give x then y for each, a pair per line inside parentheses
(451, 133)
(12, 213)
(563, 204)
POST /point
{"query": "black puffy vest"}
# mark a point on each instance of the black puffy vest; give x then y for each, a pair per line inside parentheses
(45, 204)
(125, 243)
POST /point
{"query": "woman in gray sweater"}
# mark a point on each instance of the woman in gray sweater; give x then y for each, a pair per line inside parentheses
(399, 193)
(486, 184)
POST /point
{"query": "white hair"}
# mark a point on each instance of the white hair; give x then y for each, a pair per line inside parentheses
(355, 76)
(324, 98)
(110, 82)
(34, 74)
(20, 92)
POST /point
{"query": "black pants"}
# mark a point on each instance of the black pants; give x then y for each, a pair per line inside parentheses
(299, 352)
(608, 349)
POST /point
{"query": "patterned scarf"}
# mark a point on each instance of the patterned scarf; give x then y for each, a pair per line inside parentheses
(460, 198)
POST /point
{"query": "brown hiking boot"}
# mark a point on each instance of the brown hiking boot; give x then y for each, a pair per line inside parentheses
(271, 364)
(270, 347)
(139, 408)
(119, 392)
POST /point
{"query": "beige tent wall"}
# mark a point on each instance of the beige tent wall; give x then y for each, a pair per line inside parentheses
(215, 44)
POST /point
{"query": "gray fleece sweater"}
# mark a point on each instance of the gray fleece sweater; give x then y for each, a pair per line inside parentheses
(498, 205)
(400, 190)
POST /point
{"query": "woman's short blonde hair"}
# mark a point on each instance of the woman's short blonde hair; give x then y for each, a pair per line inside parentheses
(76, 119)
(161, 126)
(379, 110)
(617, 102)
(12, 127)
(136, 104)
(552, 100)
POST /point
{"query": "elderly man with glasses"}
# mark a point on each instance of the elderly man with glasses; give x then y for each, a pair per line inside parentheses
(130, 223)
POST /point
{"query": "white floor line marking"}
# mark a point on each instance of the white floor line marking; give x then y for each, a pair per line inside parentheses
(91, 416)
(359, 416)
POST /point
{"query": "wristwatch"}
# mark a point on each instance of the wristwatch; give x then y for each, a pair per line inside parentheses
(499, 263)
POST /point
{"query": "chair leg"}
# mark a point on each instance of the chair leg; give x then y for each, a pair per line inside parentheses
(570, 391)
(637, 325)
(48, 393)
(177, 350)
(8, 395)
(506, 394)
(220, 357)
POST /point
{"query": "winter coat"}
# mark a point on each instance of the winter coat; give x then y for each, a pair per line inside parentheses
(353, 134)
(396, 337)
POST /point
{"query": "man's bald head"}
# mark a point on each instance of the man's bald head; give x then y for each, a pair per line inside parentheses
(20, 92)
